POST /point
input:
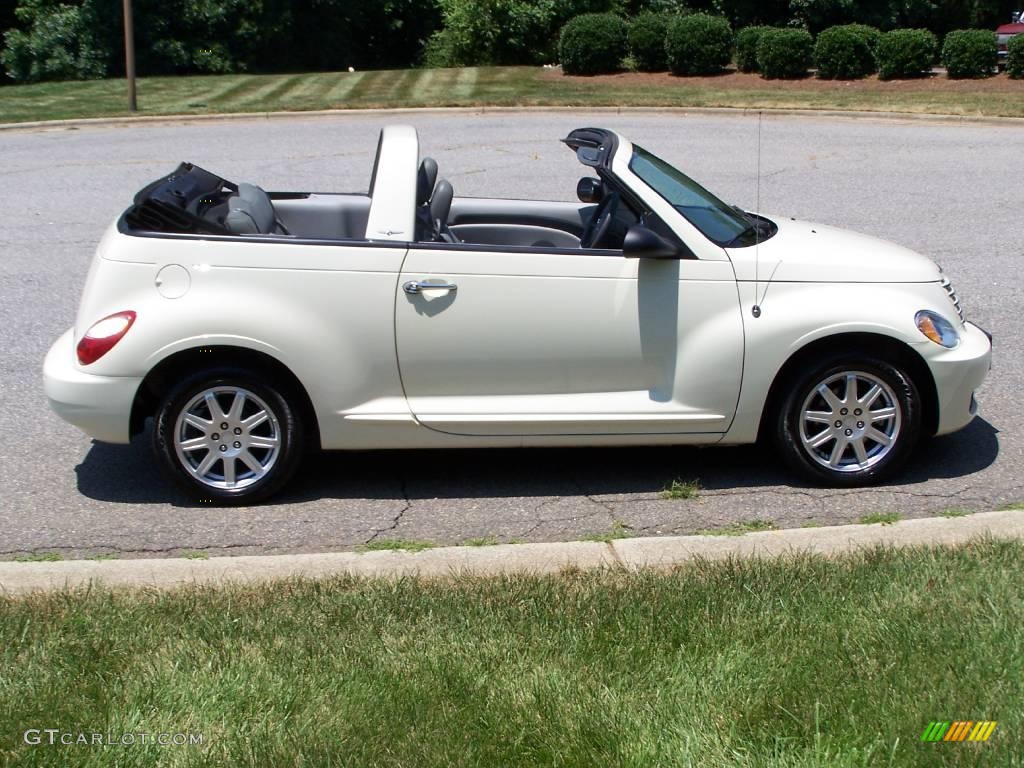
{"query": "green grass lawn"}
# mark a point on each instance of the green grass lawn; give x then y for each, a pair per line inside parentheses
(474, 86)
(806, 662)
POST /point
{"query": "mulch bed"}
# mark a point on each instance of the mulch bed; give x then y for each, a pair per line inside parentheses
(1000, 83)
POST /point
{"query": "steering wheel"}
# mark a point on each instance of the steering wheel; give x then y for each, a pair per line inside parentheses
(597, 228)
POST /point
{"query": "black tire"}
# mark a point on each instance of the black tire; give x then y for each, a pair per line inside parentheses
(897, 391)
(275, 444)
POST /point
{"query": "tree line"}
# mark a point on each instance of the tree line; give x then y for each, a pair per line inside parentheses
(83, 39)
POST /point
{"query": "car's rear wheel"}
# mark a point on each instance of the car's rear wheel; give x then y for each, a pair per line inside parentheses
(228, 436)
(852, 420)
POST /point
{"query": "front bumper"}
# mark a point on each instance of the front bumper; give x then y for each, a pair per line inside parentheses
(958, 373)
(100, 406)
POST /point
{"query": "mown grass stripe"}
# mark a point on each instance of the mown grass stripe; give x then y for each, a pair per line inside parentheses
(193, 93)
(484, 86)
(399, 87)
(422, 90)
(368, 88)
(279, 92)
(261, 93)
(243, 85)
(441, 86)
(311, 87)
(341, 84)
(187, 95)
(465, 83)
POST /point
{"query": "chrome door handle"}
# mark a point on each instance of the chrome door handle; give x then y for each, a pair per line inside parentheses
(414, 287)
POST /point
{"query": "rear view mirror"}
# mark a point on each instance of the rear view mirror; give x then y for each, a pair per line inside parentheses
(643, 243)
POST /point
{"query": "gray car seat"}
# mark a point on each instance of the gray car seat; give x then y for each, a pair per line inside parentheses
(425, 179)
(250, 212)
(440, 208)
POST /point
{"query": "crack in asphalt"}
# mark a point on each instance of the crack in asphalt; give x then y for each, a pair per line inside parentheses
(604, 508)
(821, 497)
(573, 518)
(583, 491)
(398, 517)
(137, 550)
(960, 495)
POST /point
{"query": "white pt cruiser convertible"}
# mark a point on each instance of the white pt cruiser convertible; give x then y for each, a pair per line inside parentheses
(254, 326)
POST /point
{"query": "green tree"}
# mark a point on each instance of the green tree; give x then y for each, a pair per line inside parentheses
(55, 41)
(505, 31)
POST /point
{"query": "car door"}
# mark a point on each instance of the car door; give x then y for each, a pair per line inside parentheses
(532, 341)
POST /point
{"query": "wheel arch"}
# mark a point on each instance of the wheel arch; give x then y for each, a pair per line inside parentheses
(874, 344)
(174, 367)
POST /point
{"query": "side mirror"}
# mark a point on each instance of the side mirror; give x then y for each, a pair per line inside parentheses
(643, 243)
(590, 190)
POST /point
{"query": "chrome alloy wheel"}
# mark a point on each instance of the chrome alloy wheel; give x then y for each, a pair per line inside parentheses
(850, 421)
(227, 437)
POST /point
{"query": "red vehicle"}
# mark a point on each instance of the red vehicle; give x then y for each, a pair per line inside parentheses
(1005, 32)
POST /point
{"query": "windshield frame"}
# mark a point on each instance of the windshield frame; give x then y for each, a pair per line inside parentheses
(737, 222)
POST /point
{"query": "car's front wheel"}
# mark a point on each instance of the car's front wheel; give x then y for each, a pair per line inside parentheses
(228, 436)
(852, 420)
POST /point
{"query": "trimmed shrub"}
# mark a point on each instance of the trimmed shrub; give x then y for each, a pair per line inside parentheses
(746, 48)
(699, 44)
(869, 33)
(846, 52)
(1015, 56)
(592, 44)
(647, 41)
(784, 53)
(905, 53)
(969, 53)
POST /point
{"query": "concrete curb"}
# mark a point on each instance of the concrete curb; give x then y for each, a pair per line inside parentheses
(19, 578)
(834, 540)
(1015, 122)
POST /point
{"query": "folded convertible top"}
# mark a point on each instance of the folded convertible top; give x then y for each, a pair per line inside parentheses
(179, 201)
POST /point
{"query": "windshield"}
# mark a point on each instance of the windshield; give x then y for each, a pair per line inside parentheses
(717, 221)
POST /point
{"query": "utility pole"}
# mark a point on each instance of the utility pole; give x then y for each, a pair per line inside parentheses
(129, 55)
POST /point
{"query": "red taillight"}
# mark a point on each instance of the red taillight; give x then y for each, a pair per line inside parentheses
(103, 335)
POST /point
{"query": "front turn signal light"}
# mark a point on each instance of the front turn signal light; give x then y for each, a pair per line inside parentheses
(103, 335)
(937, 328)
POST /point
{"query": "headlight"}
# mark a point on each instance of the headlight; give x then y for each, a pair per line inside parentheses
(937, 328)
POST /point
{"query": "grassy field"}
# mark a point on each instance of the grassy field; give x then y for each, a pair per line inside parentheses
(805, 662)
(497, 86)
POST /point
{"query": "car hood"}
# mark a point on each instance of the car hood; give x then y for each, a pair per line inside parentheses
(802, 251)
(1010, 29)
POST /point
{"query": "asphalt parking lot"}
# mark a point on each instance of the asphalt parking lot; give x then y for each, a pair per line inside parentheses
(949, 190)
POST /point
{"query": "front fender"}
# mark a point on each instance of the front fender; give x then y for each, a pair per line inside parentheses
(795, 315)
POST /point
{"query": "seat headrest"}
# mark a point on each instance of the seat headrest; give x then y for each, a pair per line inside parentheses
(250, 212)
(425, 180)
(441, 202)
